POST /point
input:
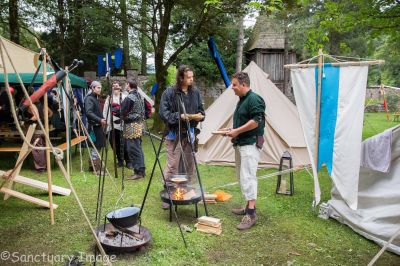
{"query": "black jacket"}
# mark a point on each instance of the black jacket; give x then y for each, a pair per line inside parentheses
(93, 110)
(132, 107)
(170, 109)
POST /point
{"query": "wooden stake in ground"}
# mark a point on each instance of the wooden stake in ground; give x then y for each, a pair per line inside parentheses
(67, 120)
(320, 62)
(384, 102)
(46, 127)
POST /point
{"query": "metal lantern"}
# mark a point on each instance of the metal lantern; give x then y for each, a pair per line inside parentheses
(285, 164)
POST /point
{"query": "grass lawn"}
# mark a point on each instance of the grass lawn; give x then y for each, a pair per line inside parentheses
(288, 232)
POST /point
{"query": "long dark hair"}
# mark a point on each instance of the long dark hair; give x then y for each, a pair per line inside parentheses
(180, 75)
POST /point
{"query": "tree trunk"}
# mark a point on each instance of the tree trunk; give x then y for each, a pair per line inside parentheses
(143, 60)
(61, 27)
(125, 37)
(13, 21)
(142, 38)
(334, 42)
(159, 49)
(161, 78)
(239, 46)
(286, 58)
(76, 40)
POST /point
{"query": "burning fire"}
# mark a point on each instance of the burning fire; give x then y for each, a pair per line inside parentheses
(178, 194)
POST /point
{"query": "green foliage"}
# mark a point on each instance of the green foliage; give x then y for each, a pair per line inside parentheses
(356, 29)
(372, 101)
(198, 55)
(386, 48)
(392, 101)
(169, 81)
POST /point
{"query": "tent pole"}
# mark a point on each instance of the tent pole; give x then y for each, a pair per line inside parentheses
(317, 122)
(67, 121)
(342, 64)
(46, 127)
(372, 262)
(384, 100)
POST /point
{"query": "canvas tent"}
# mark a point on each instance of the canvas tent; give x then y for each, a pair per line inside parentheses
(282, 131)
(378, 214)
(26, 63)
(145, 96)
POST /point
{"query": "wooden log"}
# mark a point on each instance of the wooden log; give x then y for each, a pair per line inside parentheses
(28, 198)
(209, 220)
(39, 184)
(208, 229)
(210, 196)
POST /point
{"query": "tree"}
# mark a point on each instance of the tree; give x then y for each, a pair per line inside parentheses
(198, 55)
(87, 27)
(13, 20)
(60, 20)
(360, 29)
(142, 39)
(239, 46)
(125, 36)
(179, 23)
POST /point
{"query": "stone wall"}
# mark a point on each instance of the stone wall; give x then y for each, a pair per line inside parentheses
(373, 93)
(209, 91)
(141, 80)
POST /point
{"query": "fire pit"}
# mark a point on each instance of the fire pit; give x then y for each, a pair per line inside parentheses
(129, 239)
(181, 195)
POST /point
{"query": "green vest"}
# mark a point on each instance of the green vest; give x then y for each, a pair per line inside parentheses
(250, 106)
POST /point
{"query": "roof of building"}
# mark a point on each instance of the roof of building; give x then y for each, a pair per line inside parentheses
(268, 33)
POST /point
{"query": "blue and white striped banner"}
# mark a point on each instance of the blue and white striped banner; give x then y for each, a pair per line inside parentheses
(341, 121)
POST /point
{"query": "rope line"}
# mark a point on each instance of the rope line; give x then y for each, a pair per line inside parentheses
(57, 152)
(266, 176)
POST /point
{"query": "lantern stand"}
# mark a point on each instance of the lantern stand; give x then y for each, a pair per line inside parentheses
(286, 157)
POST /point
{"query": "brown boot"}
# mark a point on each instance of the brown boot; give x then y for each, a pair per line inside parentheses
(247, 222)
(135, 176)
(90, 165)
(239, 211)
(97, 165)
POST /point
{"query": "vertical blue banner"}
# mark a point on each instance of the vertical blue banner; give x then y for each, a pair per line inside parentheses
(328, 113)
(215, 55)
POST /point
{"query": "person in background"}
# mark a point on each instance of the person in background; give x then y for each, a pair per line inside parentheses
(247, 138)
(117, 98)
(133, 115)
(5, 111)
(96, 121)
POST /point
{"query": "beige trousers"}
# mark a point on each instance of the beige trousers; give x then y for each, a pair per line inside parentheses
(246, 159)
(174, 157)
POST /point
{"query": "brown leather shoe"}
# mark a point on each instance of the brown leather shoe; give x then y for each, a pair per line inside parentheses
(247, 222)
(239, 211)
(135, 176)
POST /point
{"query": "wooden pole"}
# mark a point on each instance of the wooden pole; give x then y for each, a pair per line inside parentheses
(384, 100)
(359, 63)
(391, 87)
(320, 59)
(67, 120)
(46, 127)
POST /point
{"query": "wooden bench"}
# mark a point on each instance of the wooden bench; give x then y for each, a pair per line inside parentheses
(62, 146)
(10, 149)
(74, 142)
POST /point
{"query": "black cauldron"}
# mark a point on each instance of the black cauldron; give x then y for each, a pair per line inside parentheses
(124, 218)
